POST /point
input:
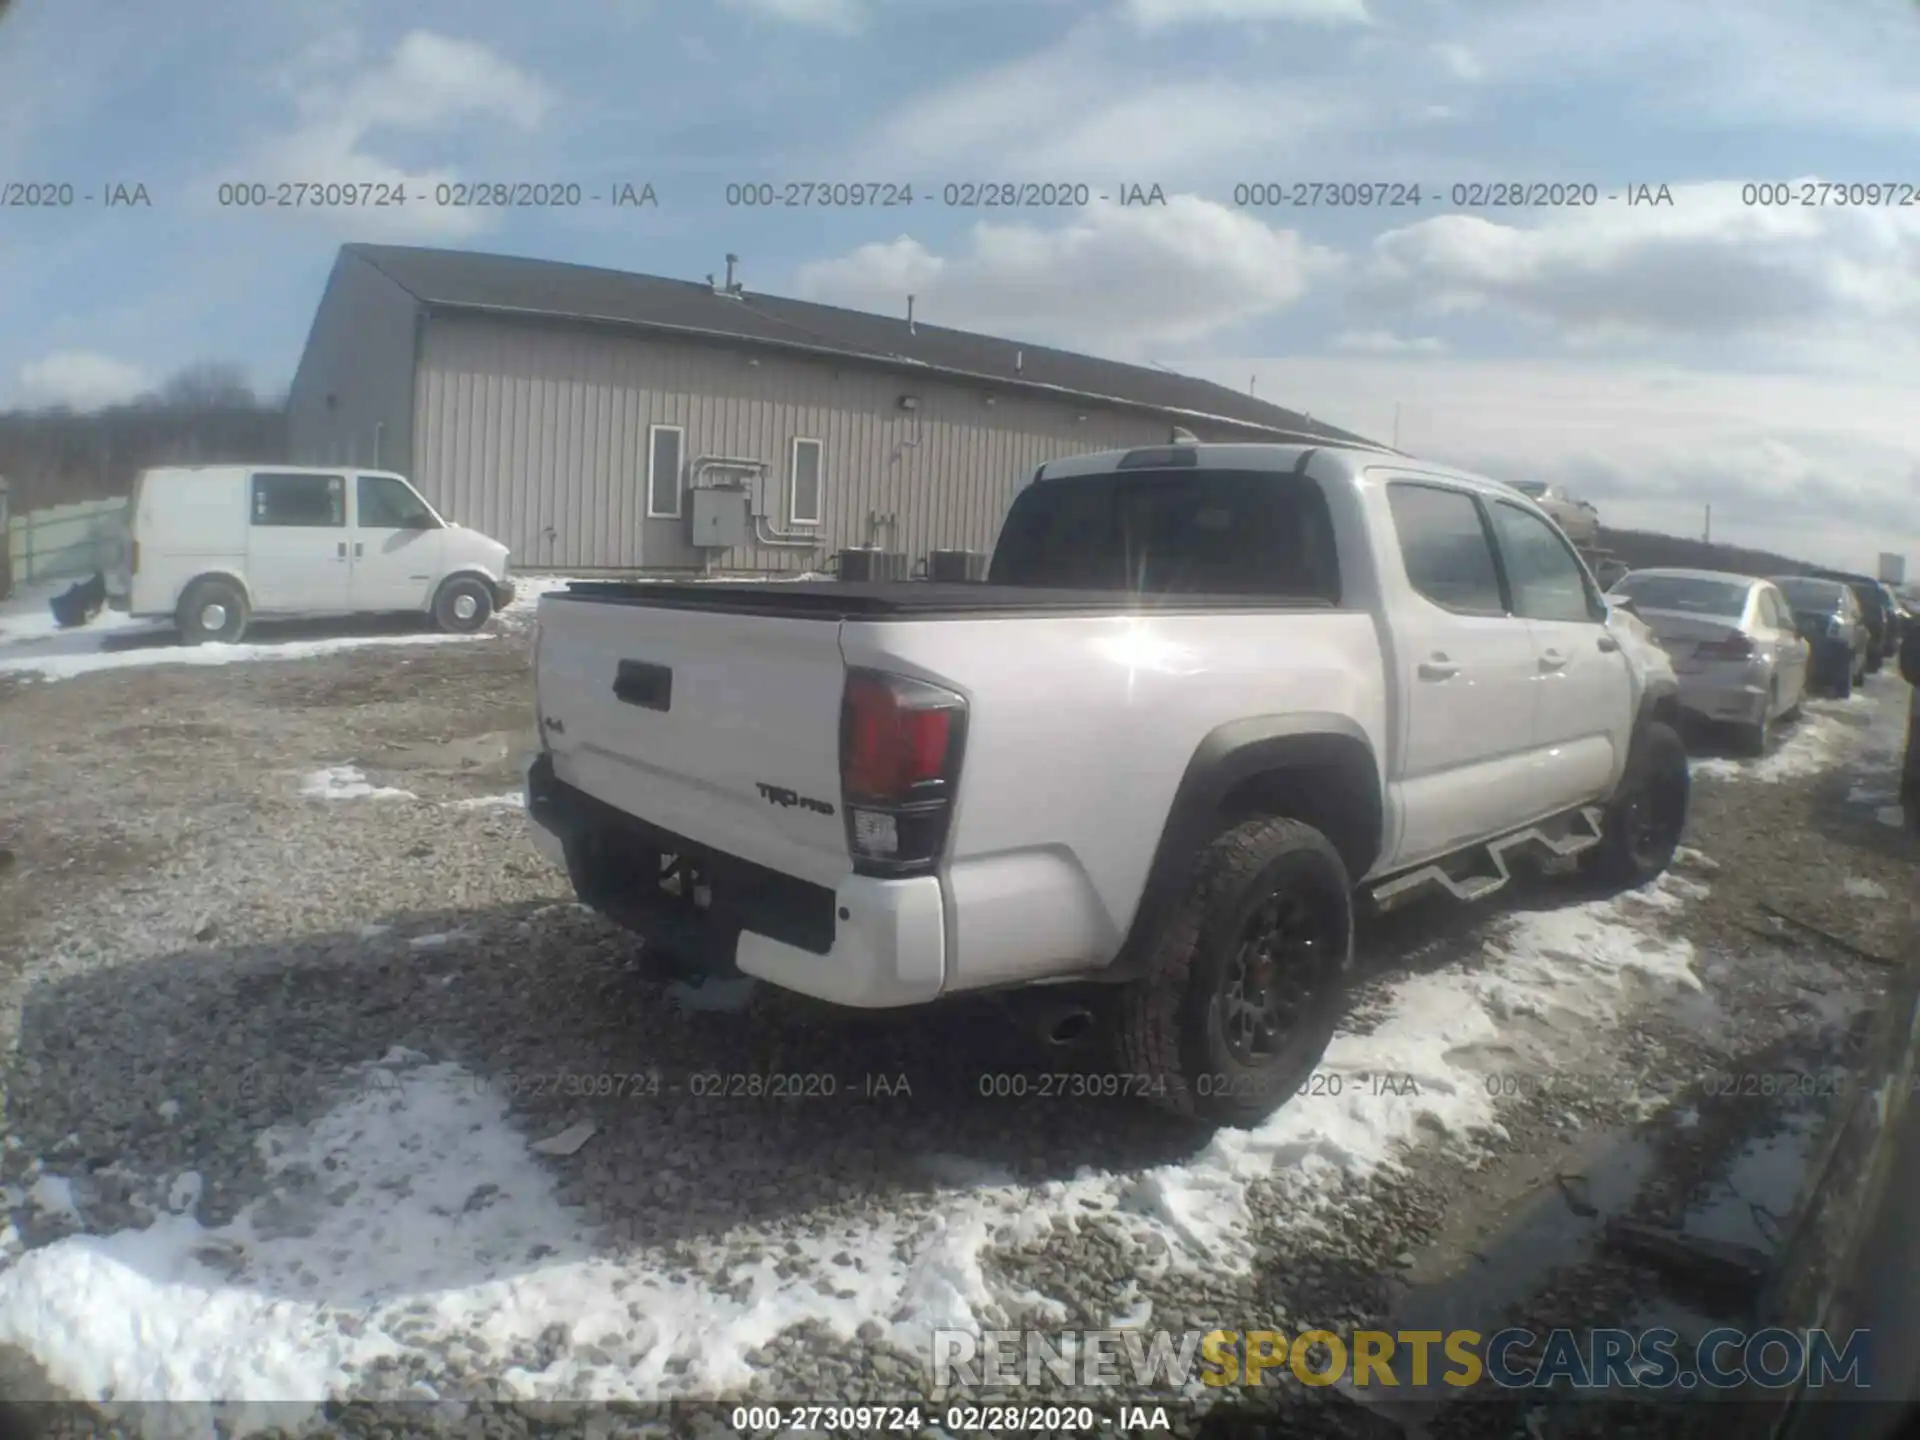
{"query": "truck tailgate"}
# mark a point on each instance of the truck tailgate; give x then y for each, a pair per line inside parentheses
(723, 728)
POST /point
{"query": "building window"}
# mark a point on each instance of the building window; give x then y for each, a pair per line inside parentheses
(301, 501)
(803, 483)
(665, 444)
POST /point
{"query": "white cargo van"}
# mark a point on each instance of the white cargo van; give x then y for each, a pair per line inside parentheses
(212, 546)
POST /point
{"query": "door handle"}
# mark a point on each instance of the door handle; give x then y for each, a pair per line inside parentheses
(1551, 660)
(342, 551)
(1438, 668)
(1608, 644)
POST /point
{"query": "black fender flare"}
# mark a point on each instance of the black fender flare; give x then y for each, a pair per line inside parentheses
(1658, 704)
(1326, 752)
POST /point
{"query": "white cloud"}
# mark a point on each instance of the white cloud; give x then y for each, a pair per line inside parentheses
(81, 379)
(838, 17)
(1124, 281)
(1091, 109)
(1165, 14)
(1813, 467)
(1710, 266)
(1385, 342)
(1461, 61)
(429, 85)
(1787, 64)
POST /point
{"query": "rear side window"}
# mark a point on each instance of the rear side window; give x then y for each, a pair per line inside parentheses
(1448, 554)
(1172, 532)
(1547, 580)
(302, 500)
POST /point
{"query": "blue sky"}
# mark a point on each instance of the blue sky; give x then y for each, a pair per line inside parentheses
(1761, 359)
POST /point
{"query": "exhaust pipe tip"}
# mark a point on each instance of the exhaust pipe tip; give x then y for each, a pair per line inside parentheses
(1069, 1027)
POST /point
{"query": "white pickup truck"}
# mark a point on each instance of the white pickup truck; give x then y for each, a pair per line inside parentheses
(1210, 700)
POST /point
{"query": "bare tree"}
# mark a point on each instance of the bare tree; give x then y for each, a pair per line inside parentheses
(209, 385)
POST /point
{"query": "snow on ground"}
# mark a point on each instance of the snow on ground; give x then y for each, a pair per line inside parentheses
(512, 800)
(25, 617)
(1816, 743)
(437, 1221)
(31, 644)
(346, 782)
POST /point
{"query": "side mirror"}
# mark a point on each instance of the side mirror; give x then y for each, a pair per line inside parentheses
(1624, 604)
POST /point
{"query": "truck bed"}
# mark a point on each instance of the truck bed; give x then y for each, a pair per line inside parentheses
(836, 600)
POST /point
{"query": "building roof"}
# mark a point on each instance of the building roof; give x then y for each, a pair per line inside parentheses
(461, 280)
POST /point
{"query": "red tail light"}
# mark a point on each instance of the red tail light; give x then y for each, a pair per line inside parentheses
(900, 749)
(1737, 646)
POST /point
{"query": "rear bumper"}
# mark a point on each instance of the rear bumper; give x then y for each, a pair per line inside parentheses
(867, 943)
(1728, 695)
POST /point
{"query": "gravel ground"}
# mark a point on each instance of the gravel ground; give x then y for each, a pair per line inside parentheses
(193, 951)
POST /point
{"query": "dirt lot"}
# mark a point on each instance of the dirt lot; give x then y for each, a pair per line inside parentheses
(278, 1041)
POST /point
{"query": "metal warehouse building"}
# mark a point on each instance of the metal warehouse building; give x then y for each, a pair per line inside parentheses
(593, 419)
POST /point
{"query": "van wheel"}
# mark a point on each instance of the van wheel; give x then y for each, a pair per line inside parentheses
(1648, 815)
(1249, 980)
(212, 610)
(463, 605)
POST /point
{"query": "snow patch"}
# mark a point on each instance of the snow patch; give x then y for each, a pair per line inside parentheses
(414, 1215)
(346, 782)
(81, 652)
(1817, 743)
(512, 800)
(1863, 889)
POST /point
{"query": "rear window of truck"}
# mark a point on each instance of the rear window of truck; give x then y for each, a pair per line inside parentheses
(1172, 532)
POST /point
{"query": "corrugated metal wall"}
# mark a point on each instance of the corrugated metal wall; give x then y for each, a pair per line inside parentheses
(537, 435)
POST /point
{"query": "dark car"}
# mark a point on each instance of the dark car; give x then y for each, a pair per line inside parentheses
(1899, 620)
(1831, 618)
(1876, 607)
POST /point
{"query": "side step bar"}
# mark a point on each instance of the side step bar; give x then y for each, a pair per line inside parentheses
(1561, 838)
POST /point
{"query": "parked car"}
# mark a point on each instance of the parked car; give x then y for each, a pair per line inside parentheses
(1876, 611)
(1829, 616)
(1734, 643)
(1207, 697)
(211, 547)
(1576, 517)
(1899, 620)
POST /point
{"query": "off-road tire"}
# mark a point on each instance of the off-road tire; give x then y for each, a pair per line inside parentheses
(1656, 774)
(450, 602)
(216, 600)
(1169, 1030)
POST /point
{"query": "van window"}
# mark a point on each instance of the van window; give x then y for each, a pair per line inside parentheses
(386, 504)
(303, 500)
